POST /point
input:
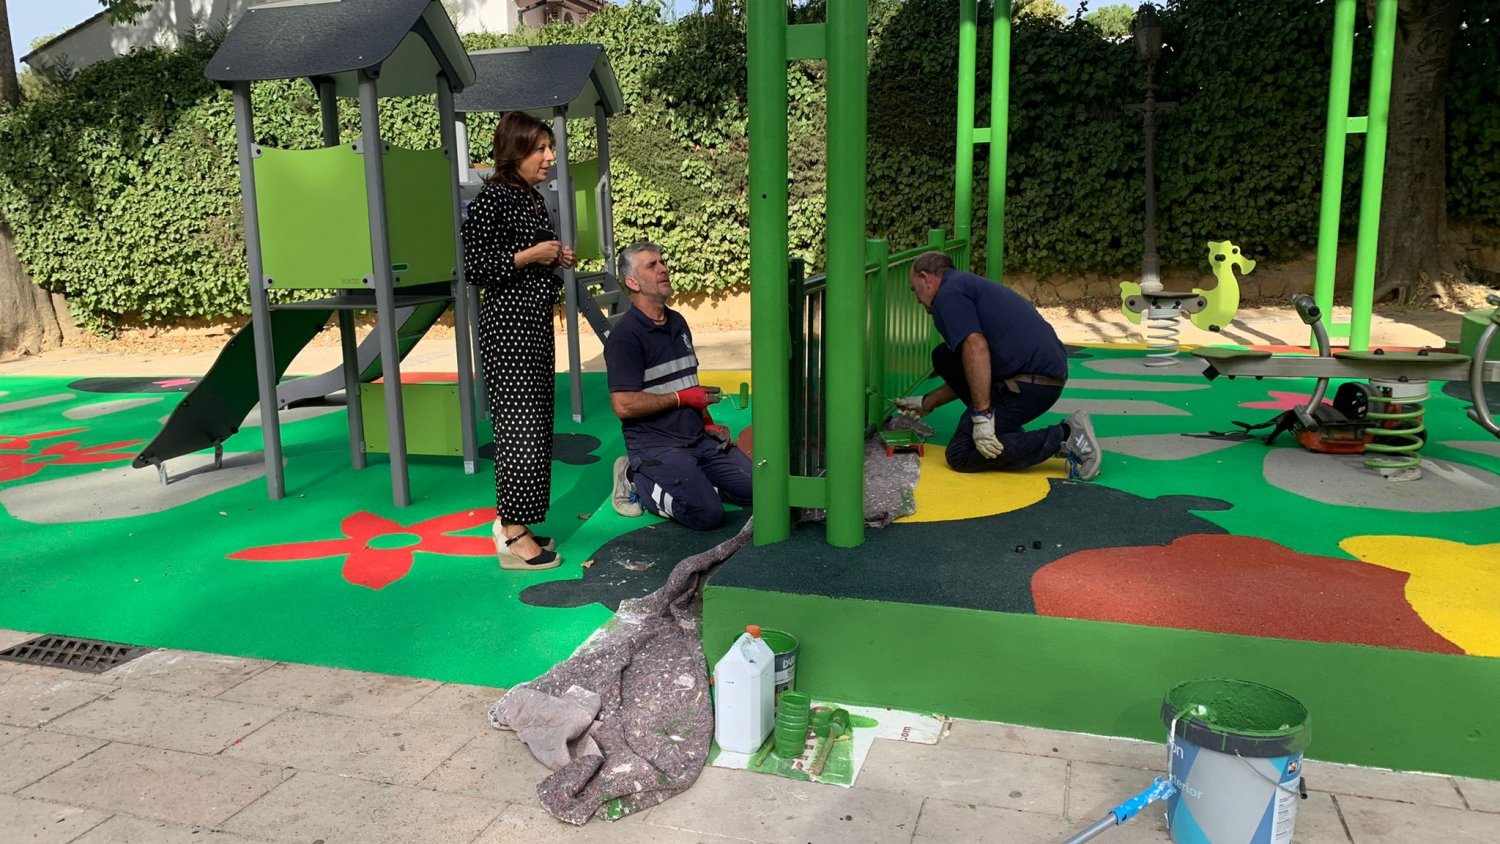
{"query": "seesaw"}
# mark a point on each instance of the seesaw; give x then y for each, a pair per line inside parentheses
(1398, 382)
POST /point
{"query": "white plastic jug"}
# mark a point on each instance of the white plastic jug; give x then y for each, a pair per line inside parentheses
(744, 689)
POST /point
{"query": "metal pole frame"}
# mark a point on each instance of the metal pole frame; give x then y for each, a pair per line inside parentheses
(383, 280)
(999, 138)
(847, 306)
(1373, 181)
(260, 305)
(457, 164)
(567, 224)
(963, 159)
(1335, 142)
(328, 107)
(606, 196)
(770, 342)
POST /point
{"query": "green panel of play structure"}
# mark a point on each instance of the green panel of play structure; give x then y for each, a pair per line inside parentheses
(431, 414)
(585, 176)
(315, 222)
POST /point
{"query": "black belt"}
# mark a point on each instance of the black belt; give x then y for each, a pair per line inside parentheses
(1041, 380)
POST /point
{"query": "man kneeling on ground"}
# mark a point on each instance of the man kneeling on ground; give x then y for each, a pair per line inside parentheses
(1002, 359)
(680, 465)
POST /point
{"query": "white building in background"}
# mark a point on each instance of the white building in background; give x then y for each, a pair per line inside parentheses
(96, 39)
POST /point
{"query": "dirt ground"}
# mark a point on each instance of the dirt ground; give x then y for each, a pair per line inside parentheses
(190, 336)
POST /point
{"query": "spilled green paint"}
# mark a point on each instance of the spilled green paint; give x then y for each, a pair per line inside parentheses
(1372, 706)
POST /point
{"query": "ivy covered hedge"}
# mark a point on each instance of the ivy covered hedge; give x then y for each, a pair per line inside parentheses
(122, 187)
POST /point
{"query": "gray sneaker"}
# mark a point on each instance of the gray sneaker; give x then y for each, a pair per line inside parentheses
(1082, 448)
(623, 495)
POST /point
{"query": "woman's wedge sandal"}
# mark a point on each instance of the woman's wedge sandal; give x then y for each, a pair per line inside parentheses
(546, 543)
(515, 562)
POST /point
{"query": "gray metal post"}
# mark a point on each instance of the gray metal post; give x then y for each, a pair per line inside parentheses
(328, 105)
(457, 163)
(567, 222)
(260, 305)
(606, 199)
(384, 283)
(461, 121)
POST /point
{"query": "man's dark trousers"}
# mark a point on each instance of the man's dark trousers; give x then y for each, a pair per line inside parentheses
(1022, 448)
(687, 482)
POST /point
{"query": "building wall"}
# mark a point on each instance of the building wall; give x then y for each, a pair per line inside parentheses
(99, 40)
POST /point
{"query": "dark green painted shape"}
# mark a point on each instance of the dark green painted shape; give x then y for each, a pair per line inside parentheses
(1370, 706)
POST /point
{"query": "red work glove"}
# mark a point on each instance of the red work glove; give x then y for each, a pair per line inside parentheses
(697, 398)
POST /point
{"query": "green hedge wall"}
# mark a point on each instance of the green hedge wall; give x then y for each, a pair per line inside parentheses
(122, 187)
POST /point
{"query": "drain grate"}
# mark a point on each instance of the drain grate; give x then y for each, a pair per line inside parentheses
(90, 655)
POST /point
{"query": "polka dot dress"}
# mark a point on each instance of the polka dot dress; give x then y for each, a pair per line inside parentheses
(516, 345)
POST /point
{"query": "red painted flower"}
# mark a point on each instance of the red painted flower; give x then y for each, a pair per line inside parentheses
(380, 551)
(14, 466)
(1282, 401)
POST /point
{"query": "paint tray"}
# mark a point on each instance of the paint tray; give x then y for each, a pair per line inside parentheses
(901, 440)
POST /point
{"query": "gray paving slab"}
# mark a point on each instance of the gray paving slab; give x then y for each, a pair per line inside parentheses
(165, 720)
(125, 829)
(967, 775)
(946, 821)
(121, 492)
(8, 734)
(457, 706)
(185, 672)
(10, 638)
(1402, 787)
(31, 696)
(331, 691)
(757, 807)
(1094, 789)
(1387, 822)
(44, 822)
(386, 751)
(1129, 753)
(38, 753)
(333, 809)
(1479, 795)
(167, 785)
(496, 765)
(533, 825)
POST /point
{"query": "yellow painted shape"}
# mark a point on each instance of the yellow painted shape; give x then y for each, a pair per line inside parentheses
(1454, 587)
(728, 380)
(944, 495)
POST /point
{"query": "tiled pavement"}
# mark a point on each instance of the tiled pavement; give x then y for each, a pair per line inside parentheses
(189, 747)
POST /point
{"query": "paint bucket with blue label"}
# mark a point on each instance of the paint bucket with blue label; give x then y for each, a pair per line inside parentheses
(1236, 761)
(784, 646)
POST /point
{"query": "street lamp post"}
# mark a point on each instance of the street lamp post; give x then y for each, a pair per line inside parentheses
(1148, 42)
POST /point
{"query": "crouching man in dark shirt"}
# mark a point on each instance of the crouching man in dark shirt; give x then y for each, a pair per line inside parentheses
(679, 464)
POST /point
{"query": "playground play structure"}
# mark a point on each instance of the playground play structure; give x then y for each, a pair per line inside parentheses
(380, 226)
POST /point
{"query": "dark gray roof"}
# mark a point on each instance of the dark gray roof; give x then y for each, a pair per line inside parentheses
(539, 79)
(408, 40)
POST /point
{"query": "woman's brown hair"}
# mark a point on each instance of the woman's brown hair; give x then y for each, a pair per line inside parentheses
(516, 136)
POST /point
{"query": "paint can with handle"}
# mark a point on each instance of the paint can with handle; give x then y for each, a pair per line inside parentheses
(784, 645)
(1235, 759)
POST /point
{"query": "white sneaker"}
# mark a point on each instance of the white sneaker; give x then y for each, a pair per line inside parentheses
(1082, 448)
(623, 495)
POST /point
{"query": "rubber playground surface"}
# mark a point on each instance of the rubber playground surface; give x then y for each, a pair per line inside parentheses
(1178, 532)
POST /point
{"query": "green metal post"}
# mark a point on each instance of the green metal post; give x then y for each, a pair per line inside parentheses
(1374, 175)
(877, 253)
(999, 133)
(963, 165)
(844, 380)
(1334, 145)
(770, 343)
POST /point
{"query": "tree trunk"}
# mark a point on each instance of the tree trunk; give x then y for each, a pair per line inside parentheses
(28, 320)
(1414, 209)
(10, 89)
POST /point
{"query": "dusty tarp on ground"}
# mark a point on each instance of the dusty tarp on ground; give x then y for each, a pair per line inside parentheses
(655, 717)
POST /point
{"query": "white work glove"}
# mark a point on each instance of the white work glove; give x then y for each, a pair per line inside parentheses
(910, 407)
(984, 434)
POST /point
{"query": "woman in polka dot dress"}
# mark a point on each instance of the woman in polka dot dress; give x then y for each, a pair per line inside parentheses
(512, 253)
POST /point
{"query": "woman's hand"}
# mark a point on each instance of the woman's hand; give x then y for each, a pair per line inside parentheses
(568, 258)
(547, 252)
